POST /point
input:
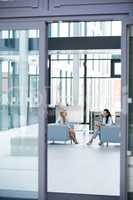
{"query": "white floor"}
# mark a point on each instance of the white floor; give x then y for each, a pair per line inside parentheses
(71, 168)
(84, 169)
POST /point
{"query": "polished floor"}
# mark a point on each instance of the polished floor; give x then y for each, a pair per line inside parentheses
(84, 169)
(71, 168)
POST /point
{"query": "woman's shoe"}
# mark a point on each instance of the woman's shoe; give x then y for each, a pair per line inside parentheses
(100, 143)
(90, 142)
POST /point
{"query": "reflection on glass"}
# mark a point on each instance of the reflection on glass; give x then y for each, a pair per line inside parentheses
(81, 86)
(19, 79)
(130, 117)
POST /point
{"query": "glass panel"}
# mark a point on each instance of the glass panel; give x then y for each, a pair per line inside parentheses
(19, 93)
(53, 30)
(130, 116)
(63, 79)
(112, 97)
(116, 28)
(82, 29)
(98, 67)
(82, 86)
(63, 26)
(117, 70)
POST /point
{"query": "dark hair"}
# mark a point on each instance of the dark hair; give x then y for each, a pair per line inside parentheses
(109, 114)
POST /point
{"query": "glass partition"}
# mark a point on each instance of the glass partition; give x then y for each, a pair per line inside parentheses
(19, 92)
(81, 84)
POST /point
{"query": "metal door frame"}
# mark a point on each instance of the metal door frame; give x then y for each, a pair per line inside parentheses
(42, 24)
(56, 196)
(124, 120)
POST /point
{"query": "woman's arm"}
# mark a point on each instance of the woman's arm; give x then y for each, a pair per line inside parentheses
(58, 121)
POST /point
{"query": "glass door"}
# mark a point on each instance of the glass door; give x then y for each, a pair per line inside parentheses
(83, 81)
(20, 102)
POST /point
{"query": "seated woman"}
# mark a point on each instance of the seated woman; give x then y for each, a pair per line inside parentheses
(63, 120)
(107, 121)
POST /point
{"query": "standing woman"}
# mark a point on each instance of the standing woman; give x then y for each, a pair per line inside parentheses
(63, 120)
(107, 121)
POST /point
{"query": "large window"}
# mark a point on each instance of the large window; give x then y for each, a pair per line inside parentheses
(82, 29)
(67, 67)
(19, 102)
(82, 82)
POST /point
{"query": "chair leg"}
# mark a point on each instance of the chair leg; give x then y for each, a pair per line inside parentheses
(107, 144)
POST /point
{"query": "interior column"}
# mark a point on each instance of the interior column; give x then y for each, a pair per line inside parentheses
(23, 76)
(76, 66)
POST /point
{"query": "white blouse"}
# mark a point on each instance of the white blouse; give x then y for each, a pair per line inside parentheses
(109, 122)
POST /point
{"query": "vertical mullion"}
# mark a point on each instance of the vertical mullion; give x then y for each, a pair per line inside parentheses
(85, 87)
(28, 103)
(43, 47)
(124, 117)
(1, 94)
(71, 88)
(49, 79)
(10, 125)
(66, 81)
(61, 86)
